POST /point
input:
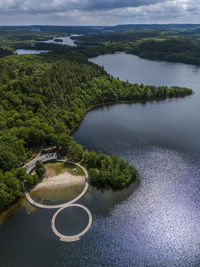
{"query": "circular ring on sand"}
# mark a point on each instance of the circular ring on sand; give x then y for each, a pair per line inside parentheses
(30, 166)
(44, 206)
(76, 237)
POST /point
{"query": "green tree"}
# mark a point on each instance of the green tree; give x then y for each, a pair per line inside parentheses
(40, 169)
(75, 152)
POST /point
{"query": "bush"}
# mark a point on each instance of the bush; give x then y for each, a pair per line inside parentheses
(40, 169)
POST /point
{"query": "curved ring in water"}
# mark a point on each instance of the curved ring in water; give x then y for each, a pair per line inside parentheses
(73, 238)
(64, 238)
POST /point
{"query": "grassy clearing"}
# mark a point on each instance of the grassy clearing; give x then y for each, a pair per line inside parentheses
(56, 168)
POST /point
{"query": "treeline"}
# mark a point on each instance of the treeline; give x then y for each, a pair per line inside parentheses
(104, 171)
(102, 38)
(12, 38)
(5, 52)
(184, 50)
(167, 45)
(43, 98)
(109, 172)
(150, 44)
(12, 185)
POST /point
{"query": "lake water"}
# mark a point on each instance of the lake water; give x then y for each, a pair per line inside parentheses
(154, 222)
(65, 41)
(30, 51)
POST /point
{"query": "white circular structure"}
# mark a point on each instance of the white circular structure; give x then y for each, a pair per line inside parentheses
(30, 166)
(73, 238)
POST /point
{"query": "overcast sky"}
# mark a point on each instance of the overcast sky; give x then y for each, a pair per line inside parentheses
(98, 12)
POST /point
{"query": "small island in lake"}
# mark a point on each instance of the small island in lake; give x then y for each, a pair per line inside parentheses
(57, 40)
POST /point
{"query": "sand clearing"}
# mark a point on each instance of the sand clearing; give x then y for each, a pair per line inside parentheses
(63, 179)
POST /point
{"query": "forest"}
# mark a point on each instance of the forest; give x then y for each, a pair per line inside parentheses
(43, 99)
(182, 50)
(174, 43)
(173, 46)
(5, 52)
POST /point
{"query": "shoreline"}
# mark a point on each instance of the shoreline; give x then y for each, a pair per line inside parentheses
(61, 180)
(140, 101)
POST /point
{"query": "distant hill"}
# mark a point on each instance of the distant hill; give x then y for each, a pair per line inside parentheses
(100, 29)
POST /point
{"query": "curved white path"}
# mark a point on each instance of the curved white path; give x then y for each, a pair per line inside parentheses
(73, 238)
(53, 156)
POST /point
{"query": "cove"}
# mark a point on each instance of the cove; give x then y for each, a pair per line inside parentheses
(65, 41)
(153, 223)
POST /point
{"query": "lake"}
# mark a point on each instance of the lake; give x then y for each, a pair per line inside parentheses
(154, 222)
(30, 51)
(65, 41)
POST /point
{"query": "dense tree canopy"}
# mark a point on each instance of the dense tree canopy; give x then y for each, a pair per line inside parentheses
(183, 50)
(5, 52)
(40, 169)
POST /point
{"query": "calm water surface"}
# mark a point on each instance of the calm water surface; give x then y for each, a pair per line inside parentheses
(30, 51)
(152, 223)
(65, 41)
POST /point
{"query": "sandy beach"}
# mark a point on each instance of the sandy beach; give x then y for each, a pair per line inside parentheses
(63, 179)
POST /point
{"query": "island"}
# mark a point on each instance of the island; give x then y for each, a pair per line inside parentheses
(57, 40)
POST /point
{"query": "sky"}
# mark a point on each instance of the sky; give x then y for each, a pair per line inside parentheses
(98, 12)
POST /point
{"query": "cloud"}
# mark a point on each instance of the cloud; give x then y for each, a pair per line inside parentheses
(98, 12)
(45, 6)
(113, 4)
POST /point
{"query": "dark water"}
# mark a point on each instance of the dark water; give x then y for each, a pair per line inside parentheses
(152, 223)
